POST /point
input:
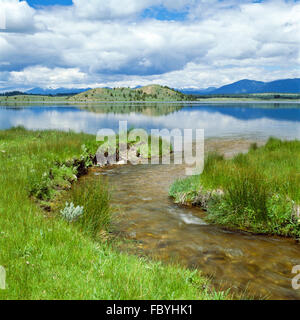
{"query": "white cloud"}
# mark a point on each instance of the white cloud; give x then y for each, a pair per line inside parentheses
(97, 42)
(42, 76)
(19, 16)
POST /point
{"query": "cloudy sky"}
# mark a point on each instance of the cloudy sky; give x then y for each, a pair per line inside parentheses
(179, 43)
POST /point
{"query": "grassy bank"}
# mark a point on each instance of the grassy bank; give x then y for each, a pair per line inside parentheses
(47, 257)
(32, 98)
(258, 191)
(276, 97)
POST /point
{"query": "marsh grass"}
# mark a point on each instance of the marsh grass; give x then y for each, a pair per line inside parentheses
(261, 189)
(46, 257)
(94, 197)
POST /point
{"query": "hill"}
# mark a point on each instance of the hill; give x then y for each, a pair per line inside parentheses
(147, 93)
(251, 86)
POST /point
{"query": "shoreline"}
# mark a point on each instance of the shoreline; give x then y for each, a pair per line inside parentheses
(156, 102)
(238, 194)
(74, 265)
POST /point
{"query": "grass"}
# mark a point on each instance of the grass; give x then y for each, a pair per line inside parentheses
(46, 257)
(32, 98)
(257, 192)
(94, 197)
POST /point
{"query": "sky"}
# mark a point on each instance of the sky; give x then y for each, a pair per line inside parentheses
(178, 43)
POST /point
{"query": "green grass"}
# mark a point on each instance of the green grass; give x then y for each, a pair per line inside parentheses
(32, 98)
(47, 257)
(94, 197)
(258, 191)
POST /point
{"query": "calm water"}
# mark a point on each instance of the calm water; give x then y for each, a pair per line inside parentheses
(257, 121)
(149, 217)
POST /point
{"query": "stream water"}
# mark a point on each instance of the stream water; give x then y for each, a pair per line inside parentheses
(259, 265)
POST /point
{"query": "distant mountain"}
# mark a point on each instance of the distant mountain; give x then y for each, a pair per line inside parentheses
(251, 86)
(55, 91)
(198, 91)
(283, 86)
(147, 93)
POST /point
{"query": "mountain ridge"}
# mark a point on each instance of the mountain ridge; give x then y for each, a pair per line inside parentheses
(247, 86)
(244, 86)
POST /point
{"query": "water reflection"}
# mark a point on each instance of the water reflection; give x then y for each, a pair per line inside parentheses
(243, 120)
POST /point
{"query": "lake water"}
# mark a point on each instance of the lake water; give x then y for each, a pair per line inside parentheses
(254, 121)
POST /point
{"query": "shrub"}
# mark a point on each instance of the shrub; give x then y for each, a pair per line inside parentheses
(71, 213)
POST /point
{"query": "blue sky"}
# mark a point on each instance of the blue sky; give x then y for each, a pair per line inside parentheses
(49, 2)
(179, 43)
(158, 12)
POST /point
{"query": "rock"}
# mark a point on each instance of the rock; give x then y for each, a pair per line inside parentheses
(133, 156)
(204, 197)
(105, 159)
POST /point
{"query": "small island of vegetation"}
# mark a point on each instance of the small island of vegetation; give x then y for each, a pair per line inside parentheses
(257, 192)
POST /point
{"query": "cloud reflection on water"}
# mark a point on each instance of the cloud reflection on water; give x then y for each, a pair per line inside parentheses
(217, 121)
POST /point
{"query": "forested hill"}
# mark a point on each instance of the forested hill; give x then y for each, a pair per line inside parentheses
(147, 93)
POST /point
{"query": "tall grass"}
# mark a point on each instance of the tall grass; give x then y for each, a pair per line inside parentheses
(94, 197)
(247, 191)
(260, 191)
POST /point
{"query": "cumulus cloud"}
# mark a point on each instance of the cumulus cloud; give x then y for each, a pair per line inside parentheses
(100, 43)
(19, 16)
(42, 76)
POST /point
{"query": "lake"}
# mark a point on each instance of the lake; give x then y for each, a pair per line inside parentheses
(250, 121)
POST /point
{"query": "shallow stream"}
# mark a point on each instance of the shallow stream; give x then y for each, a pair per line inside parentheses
(261, 265)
